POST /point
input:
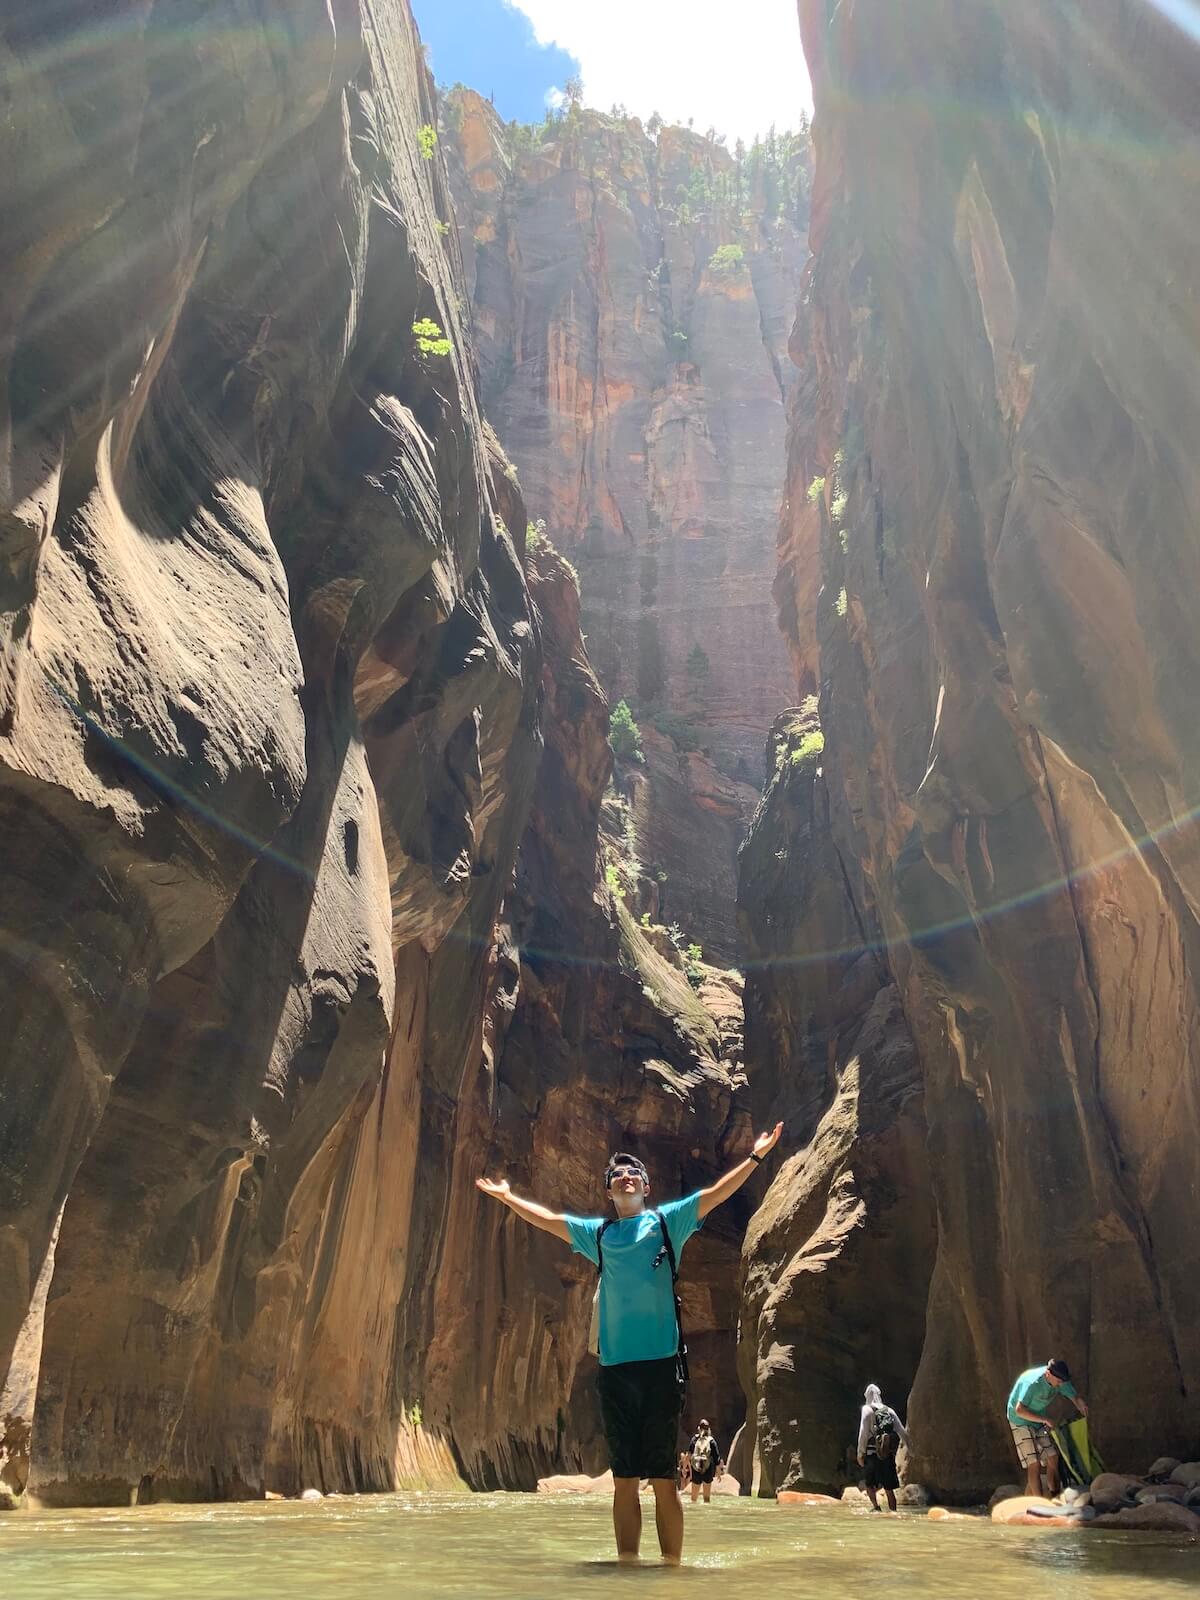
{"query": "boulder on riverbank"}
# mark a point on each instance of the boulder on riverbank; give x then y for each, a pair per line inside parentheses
(1163, 1516)
(575, 1483)
(1112, 1490)
(1006, 1491)
(1031, 1510)
(1156, 1492)
(912, 1494)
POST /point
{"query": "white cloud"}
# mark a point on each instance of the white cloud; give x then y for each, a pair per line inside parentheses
(555, 99)
(734, 68)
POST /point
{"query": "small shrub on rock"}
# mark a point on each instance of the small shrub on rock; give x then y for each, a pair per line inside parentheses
(727, 259)
(624, 735)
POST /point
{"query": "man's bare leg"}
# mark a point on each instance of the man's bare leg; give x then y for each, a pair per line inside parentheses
(668, 1519)
(1052, 1484)
(1033, 1478)
(695, 1491)
(627, 1517)
(891, 1494)
(707, 1493)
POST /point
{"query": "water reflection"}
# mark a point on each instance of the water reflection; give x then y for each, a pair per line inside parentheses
(539, 1549)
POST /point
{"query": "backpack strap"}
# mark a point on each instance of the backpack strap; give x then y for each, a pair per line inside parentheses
(670, 1249)
(604, 1227)
(667, 1245)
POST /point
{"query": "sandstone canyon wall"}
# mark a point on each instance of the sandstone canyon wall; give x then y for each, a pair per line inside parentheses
(268, 732)
(631, 297)
(272, 692)
(838, 1256)
(990, 568)
(595, 1040)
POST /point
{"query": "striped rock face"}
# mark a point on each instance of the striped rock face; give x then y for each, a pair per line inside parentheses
(994, 582)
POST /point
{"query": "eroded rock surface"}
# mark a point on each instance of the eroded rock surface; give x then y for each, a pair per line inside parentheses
(272, 699)
(999, 490)
(268, 676)
(631, 298)
(838, 1255)
(594, 1041)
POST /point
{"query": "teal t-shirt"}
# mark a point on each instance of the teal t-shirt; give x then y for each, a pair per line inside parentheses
(1032, 1389)
(637, 1302)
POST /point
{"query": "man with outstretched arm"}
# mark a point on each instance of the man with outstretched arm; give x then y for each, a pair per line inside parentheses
(640, 1395)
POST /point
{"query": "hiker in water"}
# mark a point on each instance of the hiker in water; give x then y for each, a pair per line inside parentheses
(1038, 1402)
(705, 1458)
(641, 1347)
(880, 1433)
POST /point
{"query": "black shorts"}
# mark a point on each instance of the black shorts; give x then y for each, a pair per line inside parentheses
(708, 1474)
(641, 1404)
(879, 1474)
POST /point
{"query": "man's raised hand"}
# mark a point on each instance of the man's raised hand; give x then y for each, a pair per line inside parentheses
(528, 1210)
(767, 1141)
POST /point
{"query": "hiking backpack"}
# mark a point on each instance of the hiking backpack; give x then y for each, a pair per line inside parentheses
(884, 1436)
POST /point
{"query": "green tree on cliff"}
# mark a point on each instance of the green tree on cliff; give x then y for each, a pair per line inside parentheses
(726, 260)
(624, 735)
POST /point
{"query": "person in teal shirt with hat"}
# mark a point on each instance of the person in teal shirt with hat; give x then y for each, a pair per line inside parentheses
(1033, 1409)
(640, 1337)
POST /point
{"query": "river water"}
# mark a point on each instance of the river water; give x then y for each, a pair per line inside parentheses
(539, 1548)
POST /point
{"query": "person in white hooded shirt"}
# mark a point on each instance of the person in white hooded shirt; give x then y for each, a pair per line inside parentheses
(880, 1432)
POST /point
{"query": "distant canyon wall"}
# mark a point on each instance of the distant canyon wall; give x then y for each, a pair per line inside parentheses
(990, 575)
(631, 297)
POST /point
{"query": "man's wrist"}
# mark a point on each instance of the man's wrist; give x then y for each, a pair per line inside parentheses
(756, 1158)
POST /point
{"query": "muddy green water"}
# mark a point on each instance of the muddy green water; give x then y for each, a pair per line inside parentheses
(552, 1549)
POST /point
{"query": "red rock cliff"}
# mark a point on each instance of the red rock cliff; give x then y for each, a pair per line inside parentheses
(272, 700)
(990, 568)
(594, 1040)
(631, 297)
(268, 680)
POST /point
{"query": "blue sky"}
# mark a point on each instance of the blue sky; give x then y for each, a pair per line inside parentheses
(490, 46)
(681, 58)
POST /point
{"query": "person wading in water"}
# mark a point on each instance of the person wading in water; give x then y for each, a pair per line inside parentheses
(704, 1456)
(641, 1345)
(880, 1433)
